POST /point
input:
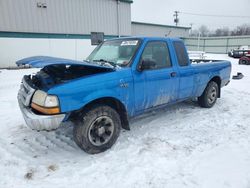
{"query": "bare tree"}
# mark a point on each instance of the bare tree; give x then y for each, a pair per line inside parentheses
(222, 31)
(195, 33)
(204, 31)
(241, 30)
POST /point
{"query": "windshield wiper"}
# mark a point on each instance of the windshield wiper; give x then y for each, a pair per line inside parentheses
(103, 61)
(86, 60)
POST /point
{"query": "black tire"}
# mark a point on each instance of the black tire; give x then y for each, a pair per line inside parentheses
(242, 62)
(92, 125)
(209, 96)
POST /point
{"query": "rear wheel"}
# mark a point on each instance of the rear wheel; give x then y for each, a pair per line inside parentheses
(97, 129)
(242, 61)
(209, 96)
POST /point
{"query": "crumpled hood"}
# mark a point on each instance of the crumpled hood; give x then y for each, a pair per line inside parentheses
(42, 61)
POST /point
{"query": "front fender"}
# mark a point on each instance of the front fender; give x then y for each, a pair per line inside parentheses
(77, 101)
(101, 94)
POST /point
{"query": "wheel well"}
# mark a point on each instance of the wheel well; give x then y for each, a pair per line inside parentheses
(115, 104)
(217, 80)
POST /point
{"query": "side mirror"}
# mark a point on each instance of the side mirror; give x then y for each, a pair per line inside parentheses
(147, 64)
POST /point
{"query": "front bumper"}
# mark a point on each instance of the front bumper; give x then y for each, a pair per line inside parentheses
(40, 122)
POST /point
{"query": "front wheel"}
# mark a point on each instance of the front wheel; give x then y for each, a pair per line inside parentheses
(97, 129)
(209, 96)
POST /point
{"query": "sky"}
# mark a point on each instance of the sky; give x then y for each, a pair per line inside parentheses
(161, 12)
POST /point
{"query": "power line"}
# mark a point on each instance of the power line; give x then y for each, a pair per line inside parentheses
(215, 15)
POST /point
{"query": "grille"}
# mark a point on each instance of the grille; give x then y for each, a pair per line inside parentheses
(25, 92)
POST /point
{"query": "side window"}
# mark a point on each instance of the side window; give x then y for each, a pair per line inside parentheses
(157, 52)
(181, 53)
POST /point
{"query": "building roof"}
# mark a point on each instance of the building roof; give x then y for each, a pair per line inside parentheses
(160, 25)
(126, 1)
(145, 38)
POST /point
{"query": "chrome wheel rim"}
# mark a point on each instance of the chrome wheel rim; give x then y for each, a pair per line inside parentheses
(212, 96)
(101, 130)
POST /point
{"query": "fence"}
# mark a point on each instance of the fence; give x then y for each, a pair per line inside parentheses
(216, 44)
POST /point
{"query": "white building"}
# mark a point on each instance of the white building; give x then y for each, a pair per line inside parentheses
(62, 28)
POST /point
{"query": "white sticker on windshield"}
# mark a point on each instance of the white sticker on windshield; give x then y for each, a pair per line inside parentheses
(129, 43)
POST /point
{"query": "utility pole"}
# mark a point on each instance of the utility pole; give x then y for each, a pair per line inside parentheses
(118, 18)
(176, 19)
(191, 27)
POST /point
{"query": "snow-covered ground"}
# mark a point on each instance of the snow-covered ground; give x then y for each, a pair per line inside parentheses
(180, 146)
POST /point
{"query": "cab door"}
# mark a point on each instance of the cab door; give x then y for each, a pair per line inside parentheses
(157, 84)
(185, 71)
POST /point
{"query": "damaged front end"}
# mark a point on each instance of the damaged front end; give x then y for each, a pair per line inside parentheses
(33, 118)
(40, 110)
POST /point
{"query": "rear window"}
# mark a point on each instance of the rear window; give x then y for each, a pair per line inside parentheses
(181, 53)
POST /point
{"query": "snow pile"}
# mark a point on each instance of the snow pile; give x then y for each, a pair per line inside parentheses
(180, 146)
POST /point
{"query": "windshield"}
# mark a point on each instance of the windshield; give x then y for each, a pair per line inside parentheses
(115, 52)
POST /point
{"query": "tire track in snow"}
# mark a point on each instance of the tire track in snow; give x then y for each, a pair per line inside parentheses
(26, 146)
(43, 144)
(14, 151)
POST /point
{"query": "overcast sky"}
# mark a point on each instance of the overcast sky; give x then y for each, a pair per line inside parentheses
(161, 11)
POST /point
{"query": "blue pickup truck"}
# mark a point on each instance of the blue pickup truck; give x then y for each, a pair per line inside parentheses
(120, 79)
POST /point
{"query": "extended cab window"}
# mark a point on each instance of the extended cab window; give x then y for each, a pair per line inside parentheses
(157, 52)
(181, 54)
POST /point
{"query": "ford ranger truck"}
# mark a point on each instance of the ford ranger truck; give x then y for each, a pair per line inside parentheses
(121, 78)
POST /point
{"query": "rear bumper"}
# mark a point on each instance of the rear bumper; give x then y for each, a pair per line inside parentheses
(40, 122)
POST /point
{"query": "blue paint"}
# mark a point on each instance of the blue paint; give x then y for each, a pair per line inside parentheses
(42, 61)
(146, 89)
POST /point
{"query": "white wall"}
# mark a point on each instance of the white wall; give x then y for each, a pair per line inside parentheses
(13, 49)
(65, 16)
(155, 30)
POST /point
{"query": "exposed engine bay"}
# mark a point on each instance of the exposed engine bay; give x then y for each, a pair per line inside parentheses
(52, 75)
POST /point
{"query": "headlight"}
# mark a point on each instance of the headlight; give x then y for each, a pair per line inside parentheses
(51, 101)
(45, 103)
(39, 97)
(43, 99)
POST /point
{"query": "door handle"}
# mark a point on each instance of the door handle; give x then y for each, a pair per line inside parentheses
(173, 74)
